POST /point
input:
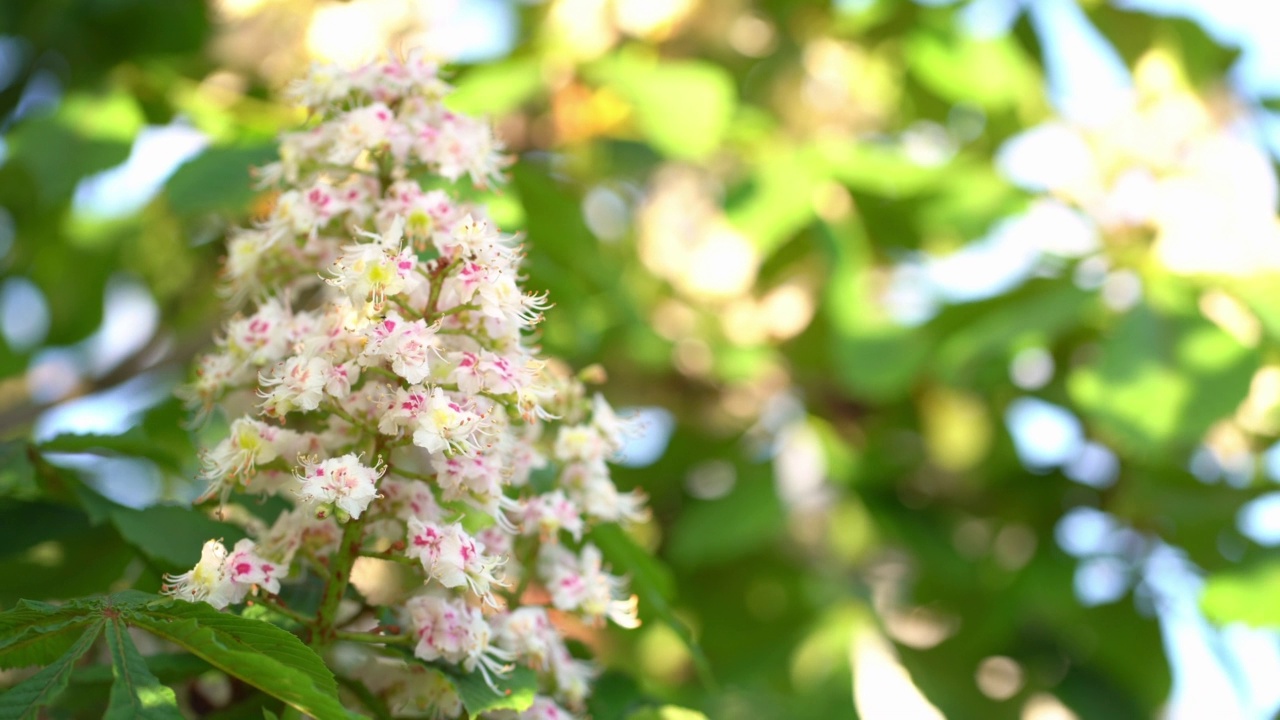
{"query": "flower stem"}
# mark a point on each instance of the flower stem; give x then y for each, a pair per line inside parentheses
(276, 604)
(364, 637)
(391, 557)
(335, 588)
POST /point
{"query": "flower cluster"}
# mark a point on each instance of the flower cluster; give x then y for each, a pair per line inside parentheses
(381, 382)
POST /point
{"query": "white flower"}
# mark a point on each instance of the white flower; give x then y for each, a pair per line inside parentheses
(451, 556)
(546, 515)
(341, 481)
(580, 443)
(449, 629)
(221, 579)
(409, 349)
(261, 338)
(237, 457)
(579, 583)
(295, 384)
(374, 271)
(445, 425)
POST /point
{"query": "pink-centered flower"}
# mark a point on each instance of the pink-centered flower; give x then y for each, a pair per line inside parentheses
(343, 482)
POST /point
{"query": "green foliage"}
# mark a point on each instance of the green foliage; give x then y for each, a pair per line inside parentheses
(257, 652)
(515, 690)
(1162, 379)
(135, 692)
(23, 700)
(497, 88)
(133, 443)
(748, 518)
(1244, 596)
(683, 108)
(667, 712)
(35, 633)
(992, 73)
(217, 180)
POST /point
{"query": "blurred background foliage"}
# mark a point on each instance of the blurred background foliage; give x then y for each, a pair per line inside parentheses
(949, 326)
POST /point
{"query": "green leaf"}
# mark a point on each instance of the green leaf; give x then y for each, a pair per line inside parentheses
(81, 562)
(780, 199)
(133, 443)
(171, 535)
(17, 475)
(517, 689)
(259, 653)
(496, 88)
(713, 531)
(24, 699)
(993, 73)
(614, 696)
(879, 169)
(36, 633)
(217, 180)
(872, 356)
(1248, 596)
(683, 108)
(26, 524)
(1042, 309)
(136, 693)
(654, 586)
(627, 556)
(167, 667)
(1162, 380)
(79, 154)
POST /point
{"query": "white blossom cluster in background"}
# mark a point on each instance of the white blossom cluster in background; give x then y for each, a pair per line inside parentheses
(378, 373)
(1166, 160)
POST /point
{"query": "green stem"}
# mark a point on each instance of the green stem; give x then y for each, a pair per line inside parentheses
(406, 309)
(335, 587)
(457, 309)
(528, 563)
(364, 637)
(411, 475)
(433, 300)
(392, 558)
(378, 369)
(336, 410)
(275, 603)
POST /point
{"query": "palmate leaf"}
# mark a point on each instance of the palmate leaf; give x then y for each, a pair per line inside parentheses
(168, 668)
(259, 653)
(135, 693)
(36, 633)
(26, 698)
